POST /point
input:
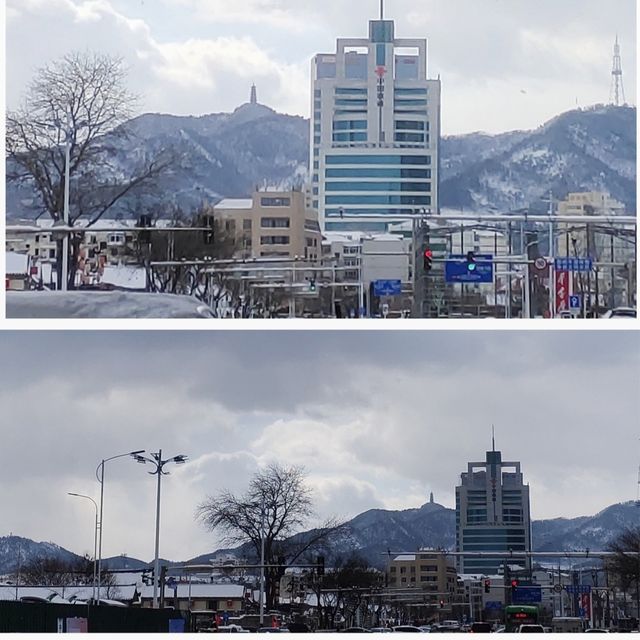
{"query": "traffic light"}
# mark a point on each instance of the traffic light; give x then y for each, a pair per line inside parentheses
(442, 604)
(427, 259)
(208, 234)
(312, 284)
(471, 262)
(320, 565)
(487, 586)
(514, 583)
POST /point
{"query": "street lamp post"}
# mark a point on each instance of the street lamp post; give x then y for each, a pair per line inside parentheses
(95, 542)
(158, 462)
(100, 479)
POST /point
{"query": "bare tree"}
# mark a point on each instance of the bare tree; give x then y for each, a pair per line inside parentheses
(624, 565)
(343, 589)
(279, 497)
(54, 572)
(80, 101)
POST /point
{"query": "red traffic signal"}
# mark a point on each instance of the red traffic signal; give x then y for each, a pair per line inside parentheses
(427, 258)
(514, 583)
(487, 586)
(442, 604)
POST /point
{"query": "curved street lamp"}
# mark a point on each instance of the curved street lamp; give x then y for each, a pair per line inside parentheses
(100, 479)
(158, 462)
(95, 540)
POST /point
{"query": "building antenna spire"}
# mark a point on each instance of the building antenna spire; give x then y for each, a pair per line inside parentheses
(493, 438)
(382, 11)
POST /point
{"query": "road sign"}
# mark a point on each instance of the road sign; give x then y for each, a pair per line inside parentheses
(557, 588)
(578, 588)
(575, 301)
(525, 595)
(540, 264)
(455, 269)
(573, 264)
(493, 604)
(387, 287)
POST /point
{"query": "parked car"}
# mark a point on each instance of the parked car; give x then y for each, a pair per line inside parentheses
(407, 628)
(356, 630)
(103, 304)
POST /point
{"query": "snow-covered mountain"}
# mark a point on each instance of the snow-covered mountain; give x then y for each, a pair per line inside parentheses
(582, 150)
(16, 551)
(374, 533)
(228, 155)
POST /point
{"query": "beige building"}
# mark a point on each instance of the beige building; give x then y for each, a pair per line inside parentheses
(272, 224)
(430, 571)
(572, 237)
(614, 246)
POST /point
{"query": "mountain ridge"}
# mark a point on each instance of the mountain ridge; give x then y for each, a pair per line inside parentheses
(375, 532)
(231, 154)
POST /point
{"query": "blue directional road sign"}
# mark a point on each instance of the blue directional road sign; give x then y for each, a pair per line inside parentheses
(455, 269)
(573, 264)
(526, 595)
(580, 589)
(575, 301)
(387, 287)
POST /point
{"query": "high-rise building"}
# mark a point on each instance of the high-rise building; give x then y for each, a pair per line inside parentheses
(375, 129)
(492, 514)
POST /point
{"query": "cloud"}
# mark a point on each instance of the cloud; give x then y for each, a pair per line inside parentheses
(200, 56)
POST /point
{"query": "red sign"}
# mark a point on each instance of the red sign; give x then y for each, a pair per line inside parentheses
(562, 291)
(585, 605)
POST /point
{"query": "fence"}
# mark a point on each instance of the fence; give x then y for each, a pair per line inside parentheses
(42, 617)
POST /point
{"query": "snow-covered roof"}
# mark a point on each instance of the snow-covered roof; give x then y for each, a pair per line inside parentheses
(234, 203)
(65, 594)
(213, 591)
(405, 557)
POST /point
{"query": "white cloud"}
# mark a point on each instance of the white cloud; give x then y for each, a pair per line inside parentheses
(200, 56)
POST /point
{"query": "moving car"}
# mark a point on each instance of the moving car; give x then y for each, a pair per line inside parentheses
(621, 312)
(530, 628)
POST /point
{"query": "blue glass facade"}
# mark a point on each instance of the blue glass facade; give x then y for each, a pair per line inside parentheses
(374, 172)
(378, 159)
(386, 199)
(378, 186)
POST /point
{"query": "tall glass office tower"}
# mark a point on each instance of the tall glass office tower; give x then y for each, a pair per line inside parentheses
(492, 514)
(375, 131)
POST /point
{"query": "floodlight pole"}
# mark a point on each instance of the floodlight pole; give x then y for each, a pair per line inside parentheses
(157, 461)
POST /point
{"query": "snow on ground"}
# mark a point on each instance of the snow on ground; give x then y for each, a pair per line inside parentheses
(123, 276)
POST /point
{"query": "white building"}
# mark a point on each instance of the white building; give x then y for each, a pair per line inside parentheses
(375, 129)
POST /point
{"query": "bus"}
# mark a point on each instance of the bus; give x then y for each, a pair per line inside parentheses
(517, 614)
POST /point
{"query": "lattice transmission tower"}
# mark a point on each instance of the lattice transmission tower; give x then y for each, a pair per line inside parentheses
(617, 88)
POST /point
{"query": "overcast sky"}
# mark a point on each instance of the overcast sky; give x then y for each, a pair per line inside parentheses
(378, 419)
(504, 64)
